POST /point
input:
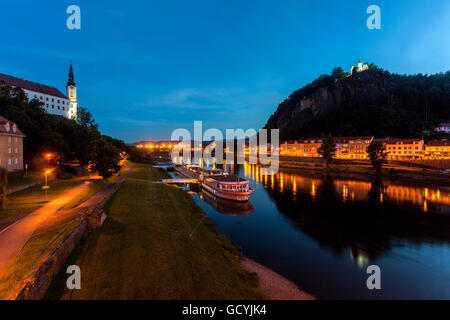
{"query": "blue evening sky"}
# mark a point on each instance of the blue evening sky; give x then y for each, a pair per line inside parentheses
(144, 68)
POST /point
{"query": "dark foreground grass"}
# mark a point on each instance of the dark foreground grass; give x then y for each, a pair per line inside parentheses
(30, 256)
(143, 251)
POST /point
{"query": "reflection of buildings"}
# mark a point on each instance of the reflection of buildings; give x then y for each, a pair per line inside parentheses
(360, 218)
(436, 199)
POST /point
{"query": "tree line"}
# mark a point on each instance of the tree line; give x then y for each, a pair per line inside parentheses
(67, 139)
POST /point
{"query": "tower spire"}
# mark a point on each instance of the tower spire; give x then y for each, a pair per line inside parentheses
(71, 81)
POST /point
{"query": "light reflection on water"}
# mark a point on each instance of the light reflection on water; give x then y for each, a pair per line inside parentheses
(322, 233)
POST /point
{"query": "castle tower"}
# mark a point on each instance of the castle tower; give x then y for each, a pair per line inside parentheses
(360, 66)
(72, 95)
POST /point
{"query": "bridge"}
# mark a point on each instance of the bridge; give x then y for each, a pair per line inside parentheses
(179, 181)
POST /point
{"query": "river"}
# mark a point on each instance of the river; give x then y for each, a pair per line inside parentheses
(323, 233)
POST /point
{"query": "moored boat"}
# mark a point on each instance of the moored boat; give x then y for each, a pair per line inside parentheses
(217, 182)
(228, 187)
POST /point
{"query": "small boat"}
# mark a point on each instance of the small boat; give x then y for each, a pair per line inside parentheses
(227, 187)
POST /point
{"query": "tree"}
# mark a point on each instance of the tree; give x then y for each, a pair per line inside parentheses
(377, 155)
(3, 186)
(85, 118)
(327, 150)
(338, 73)
(104, 157)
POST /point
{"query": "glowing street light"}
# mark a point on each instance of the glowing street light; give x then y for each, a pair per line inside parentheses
(46, 186)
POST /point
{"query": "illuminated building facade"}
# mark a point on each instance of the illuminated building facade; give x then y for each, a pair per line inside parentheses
(437, 149)
(11, 145)
(404, 149)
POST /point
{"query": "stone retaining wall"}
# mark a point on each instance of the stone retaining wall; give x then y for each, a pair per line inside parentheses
(35, 286)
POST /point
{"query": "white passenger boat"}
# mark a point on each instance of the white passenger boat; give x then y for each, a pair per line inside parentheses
(218, 183)
(228, 187)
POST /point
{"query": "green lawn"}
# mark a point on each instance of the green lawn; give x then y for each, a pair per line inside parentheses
(30, 177)
(30, 256)
(26, 201)
(143, 250)
(94, 187)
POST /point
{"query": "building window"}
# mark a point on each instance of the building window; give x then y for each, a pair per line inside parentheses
(16, 139)
(47, 98)
(53, 100)
(9, 139)
(16, 151)
(59, 108)
(9, 150)
(16, 161)
(53, 106)
(9, 161)
(41, 97)
(63, 108)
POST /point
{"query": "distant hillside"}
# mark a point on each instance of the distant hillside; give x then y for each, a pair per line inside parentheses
(372, 102)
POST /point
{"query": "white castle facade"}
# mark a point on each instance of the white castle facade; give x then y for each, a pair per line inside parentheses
(55, 102)
(360, 68)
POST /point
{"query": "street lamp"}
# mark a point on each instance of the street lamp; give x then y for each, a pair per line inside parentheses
(46, 186)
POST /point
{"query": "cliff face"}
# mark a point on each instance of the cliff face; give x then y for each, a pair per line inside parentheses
(307, 103)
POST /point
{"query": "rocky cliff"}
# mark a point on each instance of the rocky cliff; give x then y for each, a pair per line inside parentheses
(329, 104)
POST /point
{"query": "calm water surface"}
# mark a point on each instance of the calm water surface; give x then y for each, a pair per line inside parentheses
(323, 233)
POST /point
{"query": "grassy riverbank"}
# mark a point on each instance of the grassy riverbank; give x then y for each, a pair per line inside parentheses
(28, 200)
(145, 251)
(362, 171)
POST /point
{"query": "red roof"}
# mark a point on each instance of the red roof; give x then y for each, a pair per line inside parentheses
(4, 123)
(404, 141)
(32, 86)
(438, 143)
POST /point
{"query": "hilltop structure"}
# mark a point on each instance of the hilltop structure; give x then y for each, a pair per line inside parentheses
(360, 68)
(443, 127)
(55, 102)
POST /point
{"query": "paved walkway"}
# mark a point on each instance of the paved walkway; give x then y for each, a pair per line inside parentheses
(14, 237)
